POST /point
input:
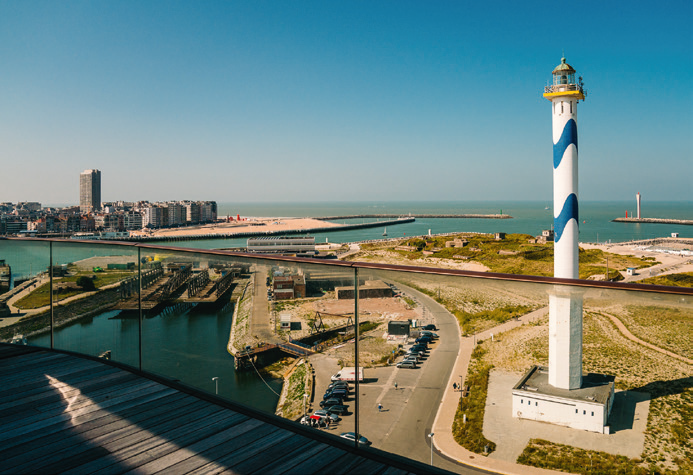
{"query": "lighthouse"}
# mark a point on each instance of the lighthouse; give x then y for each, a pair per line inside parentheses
(565, 306)
(560, 394)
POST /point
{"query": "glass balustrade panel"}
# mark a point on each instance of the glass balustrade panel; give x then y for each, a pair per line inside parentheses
(242, 327)
(462, 344)
(89, 279)
(23, 290)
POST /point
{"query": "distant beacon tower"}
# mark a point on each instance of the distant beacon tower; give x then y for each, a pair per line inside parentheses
(565, 310)
(637, 199)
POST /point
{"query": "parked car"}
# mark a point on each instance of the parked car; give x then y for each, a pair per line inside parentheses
(406, 364)
(338, 393)
(430, 327)
(327, 414)
(338, 409)
(424, 339)
(431, 334)
(412, 357)
(419, 353)
(419, 347)
(339, 384)
(333, 401)
(352, 437)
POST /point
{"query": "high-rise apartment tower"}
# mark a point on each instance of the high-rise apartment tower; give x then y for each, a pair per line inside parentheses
(89, 191)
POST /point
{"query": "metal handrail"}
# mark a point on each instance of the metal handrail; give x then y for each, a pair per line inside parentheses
(562, 88)
(385, 267)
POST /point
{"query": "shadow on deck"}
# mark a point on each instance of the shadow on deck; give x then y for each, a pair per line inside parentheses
(61, 412)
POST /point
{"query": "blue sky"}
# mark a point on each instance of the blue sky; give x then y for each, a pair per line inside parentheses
(340, 101)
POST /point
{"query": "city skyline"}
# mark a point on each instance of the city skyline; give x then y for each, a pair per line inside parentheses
(310, 102)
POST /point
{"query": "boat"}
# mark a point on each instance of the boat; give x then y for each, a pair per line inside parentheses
(385, 232)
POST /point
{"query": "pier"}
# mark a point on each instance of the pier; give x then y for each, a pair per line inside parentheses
(684, 222)
(182, 286)
(400, 216)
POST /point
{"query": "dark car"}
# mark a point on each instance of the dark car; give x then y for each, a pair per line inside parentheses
(419, 353)
(430, 327)
(338, 409)
(336, 393)
(419, 347)
(424, 339)
(429, 334)
(333, 401)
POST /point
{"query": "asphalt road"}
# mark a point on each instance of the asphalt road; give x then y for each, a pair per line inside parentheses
(408, 412)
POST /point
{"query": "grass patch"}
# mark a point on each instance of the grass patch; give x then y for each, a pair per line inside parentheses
(675, 336)
(40, 297)
(470, 434)
(544, 454)
(684, 279)
(520, 254)
(409, 301)
(298, 384)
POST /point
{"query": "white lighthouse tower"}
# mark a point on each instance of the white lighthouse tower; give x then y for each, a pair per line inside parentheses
(565, 309)
(560, 394)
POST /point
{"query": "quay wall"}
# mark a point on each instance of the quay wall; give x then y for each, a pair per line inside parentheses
(194, 237)
(447, 216)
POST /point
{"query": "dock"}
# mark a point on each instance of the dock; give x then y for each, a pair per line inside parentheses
(684, 222)
(405, 216)
(63, 413)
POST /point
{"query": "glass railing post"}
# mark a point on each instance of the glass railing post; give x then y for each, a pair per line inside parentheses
(50, 286)
(139, 304)
(356, 356)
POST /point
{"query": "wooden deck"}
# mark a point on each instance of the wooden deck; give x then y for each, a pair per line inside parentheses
(64, 413)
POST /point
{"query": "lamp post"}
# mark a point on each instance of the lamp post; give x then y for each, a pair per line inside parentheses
(431, 436)
(305, 396)
(216, 384)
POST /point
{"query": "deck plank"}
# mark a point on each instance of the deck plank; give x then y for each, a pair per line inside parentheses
(65, 436)
(210, 460)
(62, 413)
(144, 438)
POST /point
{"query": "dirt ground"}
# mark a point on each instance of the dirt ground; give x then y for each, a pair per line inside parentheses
(389, 257)
(337, 312)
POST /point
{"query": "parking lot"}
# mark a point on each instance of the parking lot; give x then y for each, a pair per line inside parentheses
(406, 418)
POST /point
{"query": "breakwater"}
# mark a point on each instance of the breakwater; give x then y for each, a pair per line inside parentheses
(445, 216)
(686, 222)
(247, 234)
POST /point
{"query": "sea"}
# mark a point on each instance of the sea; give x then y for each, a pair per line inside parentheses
(528, 217)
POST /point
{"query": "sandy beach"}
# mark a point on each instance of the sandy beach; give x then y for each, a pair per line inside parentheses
(670, 262)
(236, 227)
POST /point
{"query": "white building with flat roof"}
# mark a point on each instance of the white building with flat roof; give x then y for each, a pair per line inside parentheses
(586, 408)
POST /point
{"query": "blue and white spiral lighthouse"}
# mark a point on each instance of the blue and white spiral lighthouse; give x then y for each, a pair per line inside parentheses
(565, 308)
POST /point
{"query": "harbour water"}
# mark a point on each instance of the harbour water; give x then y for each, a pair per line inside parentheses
(178, 343)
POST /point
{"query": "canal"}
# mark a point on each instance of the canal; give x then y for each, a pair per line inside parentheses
(181, 343)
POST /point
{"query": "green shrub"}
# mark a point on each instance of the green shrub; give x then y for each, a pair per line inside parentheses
(86, 283)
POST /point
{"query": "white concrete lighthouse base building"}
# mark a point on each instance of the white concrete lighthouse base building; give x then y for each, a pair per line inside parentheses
(586, 408)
